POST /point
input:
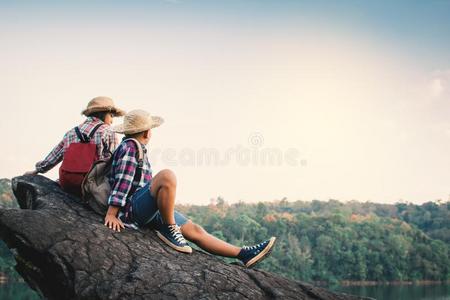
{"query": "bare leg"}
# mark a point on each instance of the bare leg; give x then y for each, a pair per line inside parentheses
(163, 188)
(208, 242)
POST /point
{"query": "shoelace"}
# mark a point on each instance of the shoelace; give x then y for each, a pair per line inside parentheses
(254, 247)
(175, 231)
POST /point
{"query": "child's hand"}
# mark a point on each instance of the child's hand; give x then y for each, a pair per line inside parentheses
(113, 222)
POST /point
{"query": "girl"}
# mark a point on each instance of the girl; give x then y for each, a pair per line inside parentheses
(100, 112)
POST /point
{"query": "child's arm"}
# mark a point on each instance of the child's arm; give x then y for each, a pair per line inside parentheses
(51, 160)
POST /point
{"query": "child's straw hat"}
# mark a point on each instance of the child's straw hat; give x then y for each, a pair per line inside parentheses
(137, 121)
(99, 104)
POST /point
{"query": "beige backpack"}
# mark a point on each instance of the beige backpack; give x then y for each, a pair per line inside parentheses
(95, 188)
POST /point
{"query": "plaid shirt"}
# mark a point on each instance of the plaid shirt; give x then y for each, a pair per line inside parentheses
(104, 136)
(122, 176)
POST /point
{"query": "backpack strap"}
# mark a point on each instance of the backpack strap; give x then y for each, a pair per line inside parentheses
(93, 131)
(138, 173)
(140, 152)
(81, 136)
(85, 138)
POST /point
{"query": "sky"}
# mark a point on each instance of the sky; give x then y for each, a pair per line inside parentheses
(262, 100)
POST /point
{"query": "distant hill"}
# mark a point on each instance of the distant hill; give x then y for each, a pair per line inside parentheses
(7, 199)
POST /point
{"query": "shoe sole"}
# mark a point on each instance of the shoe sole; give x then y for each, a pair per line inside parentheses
(261, 256)
(185, 249)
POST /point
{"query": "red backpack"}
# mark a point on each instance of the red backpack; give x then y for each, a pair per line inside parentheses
(78, 160)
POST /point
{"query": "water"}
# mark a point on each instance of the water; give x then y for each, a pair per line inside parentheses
(400, 292)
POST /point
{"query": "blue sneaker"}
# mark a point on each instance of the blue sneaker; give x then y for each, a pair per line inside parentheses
(250, 256)
(171, 235)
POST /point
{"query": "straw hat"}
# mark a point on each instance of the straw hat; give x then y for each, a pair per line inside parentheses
(137, 121)
(99, 104)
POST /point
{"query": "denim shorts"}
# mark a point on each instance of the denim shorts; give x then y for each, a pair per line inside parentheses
(145, 209)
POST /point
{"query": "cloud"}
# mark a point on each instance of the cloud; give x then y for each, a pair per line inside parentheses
(439, 84)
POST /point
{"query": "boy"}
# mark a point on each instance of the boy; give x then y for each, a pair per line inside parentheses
(138, 199)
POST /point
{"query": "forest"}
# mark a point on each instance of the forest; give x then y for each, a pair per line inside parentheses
(331, 241)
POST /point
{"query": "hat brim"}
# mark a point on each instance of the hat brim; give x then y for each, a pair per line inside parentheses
(156, 121)
(116, 111)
